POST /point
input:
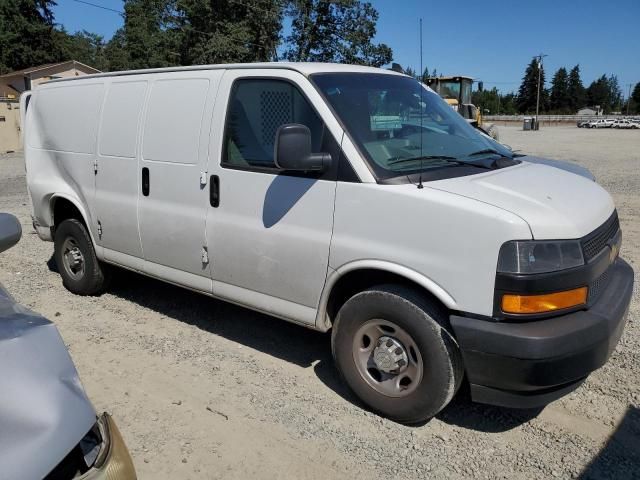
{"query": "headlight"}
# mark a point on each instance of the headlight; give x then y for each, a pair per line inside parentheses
(528, 256)
(112, 461)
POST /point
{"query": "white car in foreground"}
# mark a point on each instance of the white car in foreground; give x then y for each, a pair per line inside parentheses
(342, 198)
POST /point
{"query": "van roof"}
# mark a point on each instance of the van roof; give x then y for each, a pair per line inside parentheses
(305, 68)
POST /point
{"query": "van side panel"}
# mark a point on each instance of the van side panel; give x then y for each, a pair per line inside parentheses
(174, 153)
(60, 143)
(117, 177)
(452, 241)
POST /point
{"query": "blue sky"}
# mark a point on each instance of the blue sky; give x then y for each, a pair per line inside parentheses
(491, 40)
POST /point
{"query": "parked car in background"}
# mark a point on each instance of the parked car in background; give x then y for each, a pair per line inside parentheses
(48, 427)
(625, 123)
(601, 123)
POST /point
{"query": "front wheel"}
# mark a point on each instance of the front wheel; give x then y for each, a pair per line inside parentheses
(393, 349)
(81, 271)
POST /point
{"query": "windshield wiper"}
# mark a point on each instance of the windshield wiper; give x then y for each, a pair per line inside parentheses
(488, 150)
(423, 157)
(446, 158)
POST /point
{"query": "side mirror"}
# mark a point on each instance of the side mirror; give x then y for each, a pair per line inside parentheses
(10, 231)
(292, 150)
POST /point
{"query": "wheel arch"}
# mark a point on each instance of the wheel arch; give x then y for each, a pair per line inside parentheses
(62, 207)
(357, 276)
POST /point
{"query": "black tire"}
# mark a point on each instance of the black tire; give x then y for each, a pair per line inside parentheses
(93, 277)
(425, 322)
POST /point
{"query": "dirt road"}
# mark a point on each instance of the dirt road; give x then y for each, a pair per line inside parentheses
(204, 389)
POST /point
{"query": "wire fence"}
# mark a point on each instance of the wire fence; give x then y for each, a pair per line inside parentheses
(555, 119)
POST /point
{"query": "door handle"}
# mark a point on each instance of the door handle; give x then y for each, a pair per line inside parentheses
(214, 191)
(145, 181)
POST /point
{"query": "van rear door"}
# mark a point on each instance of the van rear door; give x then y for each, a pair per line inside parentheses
(173, 196)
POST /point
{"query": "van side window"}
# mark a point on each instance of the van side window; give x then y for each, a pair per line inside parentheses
(257, 108)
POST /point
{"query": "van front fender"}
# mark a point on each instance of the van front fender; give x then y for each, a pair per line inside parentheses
(323, 323)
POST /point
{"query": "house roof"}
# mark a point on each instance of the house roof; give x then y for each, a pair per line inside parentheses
(30, 70)
(11, 91)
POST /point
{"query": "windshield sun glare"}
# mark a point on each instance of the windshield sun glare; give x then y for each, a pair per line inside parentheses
(401, 126)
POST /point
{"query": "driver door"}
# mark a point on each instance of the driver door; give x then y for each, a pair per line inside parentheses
(269, 232)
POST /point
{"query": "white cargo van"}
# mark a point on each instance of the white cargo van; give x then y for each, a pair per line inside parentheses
(337, 197)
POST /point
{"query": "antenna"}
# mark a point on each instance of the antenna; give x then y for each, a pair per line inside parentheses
(421, 113)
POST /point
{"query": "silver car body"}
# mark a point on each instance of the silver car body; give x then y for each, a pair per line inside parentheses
(44, 411)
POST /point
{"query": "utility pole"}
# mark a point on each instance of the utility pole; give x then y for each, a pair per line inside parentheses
(629, 99)
(539, 58)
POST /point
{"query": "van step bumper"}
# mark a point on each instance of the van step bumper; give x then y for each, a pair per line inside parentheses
(530, 364)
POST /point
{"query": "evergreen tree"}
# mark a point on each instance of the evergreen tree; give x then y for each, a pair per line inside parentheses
(508, 104)
(335, 31)
(115, 52)
(615, 94)
(559, 97)
(635, 98)
(575, 90)
(528, 91)
(27, 34)
(488, 101)
(411, 72)
(85, 47)
(598, 93)
(148, 38)
(224, 31)
(425, 75)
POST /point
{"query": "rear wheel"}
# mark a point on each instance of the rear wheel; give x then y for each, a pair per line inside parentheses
(81, 271)
(393, 349)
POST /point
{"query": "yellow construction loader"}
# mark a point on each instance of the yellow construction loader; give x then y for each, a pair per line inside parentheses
(456, 91)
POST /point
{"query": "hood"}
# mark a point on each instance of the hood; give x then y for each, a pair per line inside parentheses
(44, 411)
(562, 165)
(555, 203)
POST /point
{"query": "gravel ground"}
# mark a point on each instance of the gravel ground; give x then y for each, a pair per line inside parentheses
(204, 389)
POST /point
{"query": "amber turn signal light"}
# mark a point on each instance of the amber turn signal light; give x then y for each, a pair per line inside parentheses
(548, 302)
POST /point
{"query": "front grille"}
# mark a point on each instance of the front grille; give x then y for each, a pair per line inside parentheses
(593, 243)
(597, 286)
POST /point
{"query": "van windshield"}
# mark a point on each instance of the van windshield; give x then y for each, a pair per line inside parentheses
(401, 126)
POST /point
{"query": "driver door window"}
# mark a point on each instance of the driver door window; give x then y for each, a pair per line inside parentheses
(257, 108)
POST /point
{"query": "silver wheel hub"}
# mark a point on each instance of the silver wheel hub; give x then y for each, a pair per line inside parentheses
(72, 258)
(387, 358)
(390, 356)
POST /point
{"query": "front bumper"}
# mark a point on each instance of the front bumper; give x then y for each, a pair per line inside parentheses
(530, 364)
